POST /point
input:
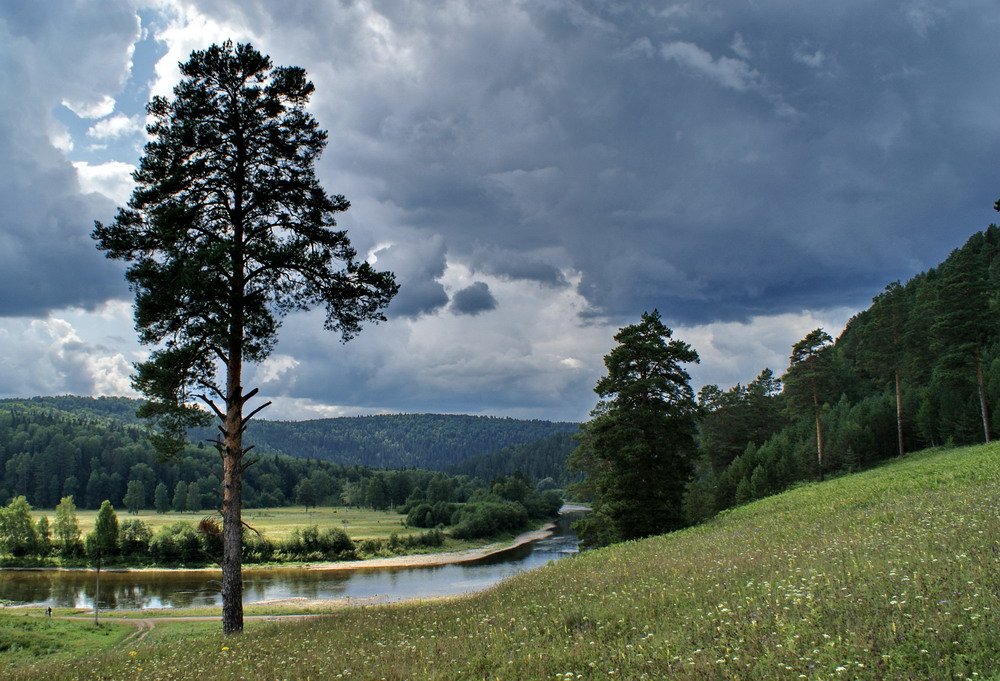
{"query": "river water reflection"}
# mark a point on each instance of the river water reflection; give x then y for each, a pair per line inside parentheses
(181, 589)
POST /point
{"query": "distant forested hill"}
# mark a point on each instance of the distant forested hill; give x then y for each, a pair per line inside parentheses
(117, 408)
(93, 447)
(434, 441)
(541, 459)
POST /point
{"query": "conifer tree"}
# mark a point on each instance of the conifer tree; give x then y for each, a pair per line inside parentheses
(964, 321)
(808, 379)
(638, 449)
(161, 498)
(227, 230)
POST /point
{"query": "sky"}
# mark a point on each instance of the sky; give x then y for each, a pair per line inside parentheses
(537, 174)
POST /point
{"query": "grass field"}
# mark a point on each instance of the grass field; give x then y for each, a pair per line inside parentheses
(274, 523)
(890, 574)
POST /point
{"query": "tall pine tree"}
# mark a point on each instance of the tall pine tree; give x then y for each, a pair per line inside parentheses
(808, 380)
(227, 230)
(638, 449)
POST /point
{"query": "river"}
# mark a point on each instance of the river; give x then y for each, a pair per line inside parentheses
(192, 588)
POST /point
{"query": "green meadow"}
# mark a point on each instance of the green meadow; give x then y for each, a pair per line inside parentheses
(273, 523)
(893, 573)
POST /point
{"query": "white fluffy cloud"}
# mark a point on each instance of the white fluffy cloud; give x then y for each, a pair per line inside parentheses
(112, 179)
(68, 352)
(114, 127)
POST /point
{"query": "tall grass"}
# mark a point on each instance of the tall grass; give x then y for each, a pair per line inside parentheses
(889, 574)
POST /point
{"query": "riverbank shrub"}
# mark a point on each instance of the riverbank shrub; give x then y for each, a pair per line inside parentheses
(488, 518)
(431, 515)
(176, 543)
(134, 537)
(396, 545)
(311, 543)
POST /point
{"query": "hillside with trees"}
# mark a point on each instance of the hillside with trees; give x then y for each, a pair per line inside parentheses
(919, 368)
(94, 449)
(46, 455)
(435, 441)
(542, 460)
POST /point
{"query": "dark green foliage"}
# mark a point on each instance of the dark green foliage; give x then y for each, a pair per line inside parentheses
(135, 496)
(905, 374)
(161, 498)
(310, 543)
(487, 518)
(305, 493)
(430, 515)
(638, 449)
(540, 459)
(433, 441)
(134, 537)
(741, 415)
(810, 381)
(177, 543)
(103, 541)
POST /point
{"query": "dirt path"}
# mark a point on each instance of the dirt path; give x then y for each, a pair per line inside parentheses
(142, 629)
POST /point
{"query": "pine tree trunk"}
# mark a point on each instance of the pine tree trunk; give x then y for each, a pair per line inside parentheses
(982, 395)
(819, 436)
(899, 414)
(232, 521)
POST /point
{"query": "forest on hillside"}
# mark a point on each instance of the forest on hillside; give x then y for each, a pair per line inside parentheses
(95, 449)
(542, 460)
(920, 367)
(434, 441)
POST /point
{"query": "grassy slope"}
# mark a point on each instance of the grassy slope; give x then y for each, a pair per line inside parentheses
(889, 574)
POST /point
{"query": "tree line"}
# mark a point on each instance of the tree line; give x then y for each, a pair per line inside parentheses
(507, 505)
(46, 455)
(919, 368)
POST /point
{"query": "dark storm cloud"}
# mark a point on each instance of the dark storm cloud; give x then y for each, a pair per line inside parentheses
(47, 259)
(714, 160)
(473, 300)
(515, 266)
(417, 265)
(72, 53)
(711, 159)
